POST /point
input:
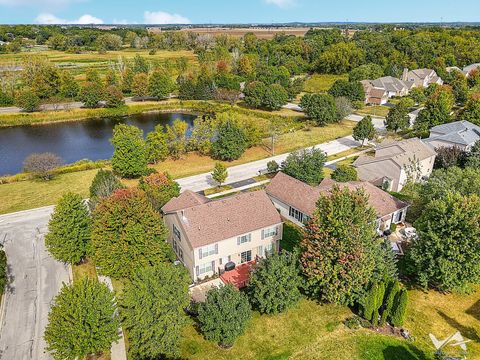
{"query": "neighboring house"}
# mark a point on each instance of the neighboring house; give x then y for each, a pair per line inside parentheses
(462, 134)
(395, 163)
(208, 234)
(374, 96)
(420, 78)
(392, 85)
(296, 200)
(468, 69)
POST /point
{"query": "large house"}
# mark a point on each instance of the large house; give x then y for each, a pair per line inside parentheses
(296, 200)
(392, 85)
(461, 134)
(396, 162)
(420, 78)
(209, 236)
(374, 96)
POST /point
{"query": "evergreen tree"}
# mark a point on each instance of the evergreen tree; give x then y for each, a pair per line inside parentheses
(113, 97)
(392, 288)
(274, 283)
(219, 173)
(68, 237)
(82, 321)
(156, 143)
(103, 185)
(153, 309)
(69, 88)
(224, 315)
(231, 142)
(129, 157)
(128, 234)
(399, 310)
(160, 85)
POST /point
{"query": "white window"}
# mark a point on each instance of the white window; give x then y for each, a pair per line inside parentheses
(176, 233)
(244, 239)
(205, 268)
(296, 214)
(268, 249)
(246, 256)
(269, 232)
(208, 250)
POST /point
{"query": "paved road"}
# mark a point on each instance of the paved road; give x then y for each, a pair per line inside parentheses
(35, 279)
(246, 171)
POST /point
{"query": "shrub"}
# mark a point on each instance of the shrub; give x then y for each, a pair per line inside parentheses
(27, 100)
(274, 283)
(272, 167)
(42, 165)
(129, 157)
(82, 321)
(231, 142)
(160, 189)
(224, 315)
(305, 165)
(399, 310)
(128, 234)
(392, 288)
(103, 185)
(5, 99)
(344, 173)
(68, 237)
(3, 271)
(449, 156)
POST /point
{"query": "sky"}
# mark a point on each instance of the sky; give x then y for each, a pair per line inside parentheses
(234, 11)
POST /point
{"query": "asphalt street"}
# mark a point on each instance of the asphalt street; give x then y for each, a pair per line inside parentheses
(35, 279)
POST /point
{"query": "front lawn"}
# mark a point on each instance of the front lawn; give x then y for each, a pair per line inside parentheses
(374, 111)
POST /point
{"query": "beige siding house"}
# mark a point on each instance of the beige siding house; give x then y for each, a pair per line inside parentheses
(421, 78)
(395, 162)
(208, 234)
(296, 200)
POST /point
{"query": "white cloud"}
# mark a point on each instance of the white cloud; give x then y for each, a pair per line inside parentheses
(46, 18)
(282, 3)
(161, 17)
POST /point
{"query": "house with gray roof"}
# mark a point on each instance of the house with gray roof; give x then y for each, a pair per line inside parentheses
(468, 69)
(395, 163)
(461, 134)
(210, 237)
(420, 78)
(392, 85)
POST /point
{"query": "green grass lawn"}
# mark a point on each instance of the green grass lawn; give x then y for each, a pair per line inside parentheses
(292, 235)
(374, 111)
(321, 82)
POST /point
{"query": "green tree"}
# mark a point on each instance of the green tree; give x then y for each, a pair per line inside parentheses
(275, 97)
(27, 100)
(219, 173)
(160, 189)
(364, 130)
(40, 76)
(344, 173)
(437, 109)
(153, 309)
(103, 185)
(366, 72)
(156, 145)
(339, 246)
(128, 234)
(272, 167)
(68, 237)
(224, 315)
(140, 85)
(82, 321)
(471, 111)
(177, 138)
(111, 78)
(344, 107)
(340, 58)
(397, 118)
(91, 94)
(391, 291)
(372, 302)
(352, 90)
(231, 142)
(160, 85)
(460, 87)
(473, 157)
(69, 88)
(320, 107)
(140, 65)
(274, 283)
(204, 129)
(446, 254)
(129, 157)
(305, 165)
(113, 97)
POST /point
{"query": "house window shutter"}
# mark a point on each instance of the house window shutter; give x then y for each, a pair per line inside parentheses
(260, 251)
(216, 248)
(263, 234)
(238, 240)
(197, 270)
(200, 254)
(213, 266)
(277, 229)
(249, 237)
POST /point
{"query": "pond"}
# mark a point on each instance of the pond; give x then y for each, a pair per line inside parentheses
(75, 140)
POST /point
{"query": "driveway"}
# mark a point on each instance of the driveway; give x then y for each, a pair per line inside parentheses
(35, 280)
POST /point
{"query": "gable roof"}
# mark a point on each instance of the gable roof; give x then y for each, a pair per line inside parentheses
(226, 218)
(468, 69)
(390, 84)
(399, 152)
(186, 199)
(458, 132)
(304, 197)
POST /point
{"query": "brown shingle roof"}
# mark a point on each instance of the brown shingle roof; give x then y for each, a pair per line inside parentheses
(186, 199)
(226, 218)
(304, 197)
